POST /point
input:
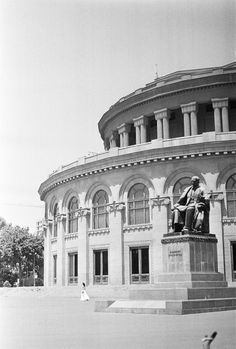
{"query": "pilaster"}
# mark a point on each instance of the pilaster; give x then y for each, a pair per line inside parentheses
(159, 207)
(61, 218)
(47, 252)
(216, 226)
(116, 253)
(83, 262)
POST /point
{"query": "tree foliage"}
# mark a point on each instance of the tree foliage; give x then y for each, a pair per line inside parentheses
(20, 253)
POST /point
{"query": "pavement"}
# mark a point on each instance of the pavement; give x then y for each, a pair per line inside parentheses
(50, 321)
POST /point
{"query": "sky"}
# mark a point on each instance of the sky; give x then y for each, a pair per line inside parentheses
(63, 63)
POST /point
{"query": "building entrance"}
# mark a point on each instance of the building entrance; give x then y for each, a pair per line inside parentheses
(139, 261)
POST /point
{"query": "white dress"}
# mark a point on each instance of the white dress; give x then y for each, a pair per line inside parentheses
(84, 296)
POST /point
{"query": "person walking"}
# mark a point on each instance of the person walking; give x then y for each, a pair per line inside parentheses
(84, 296)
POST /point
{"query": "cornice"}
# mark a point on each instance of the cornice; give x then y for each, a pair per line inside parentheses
(147, 157)
(188, 238)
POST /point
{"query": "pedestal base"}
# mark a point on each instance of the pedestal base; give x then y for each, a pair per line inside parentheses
(189, 253)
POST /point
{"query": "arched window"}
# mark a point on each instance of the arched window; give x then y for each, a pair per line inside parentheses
(73, 220)
(100, 214)
(231, 196)
(55, 214)
(179, 187)
(138, 204)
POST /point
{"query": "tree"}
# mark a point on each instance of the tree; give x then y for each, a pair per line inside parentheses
(20, 251)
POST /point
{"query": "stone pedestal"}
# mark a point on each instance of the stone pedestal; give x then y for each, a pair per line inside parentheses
(189, 254)
(190, 282)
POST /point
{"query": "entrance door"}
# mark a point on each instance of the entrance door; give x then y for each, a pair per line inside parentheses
(233, 260)
(139, 262)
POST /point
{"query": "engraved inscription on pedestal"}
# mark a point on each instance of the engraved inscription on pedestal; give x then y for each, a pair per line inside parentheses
(189, 253)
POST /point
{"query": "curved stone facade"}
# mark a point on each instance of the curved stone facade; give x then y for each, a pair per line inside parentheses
(106, 214)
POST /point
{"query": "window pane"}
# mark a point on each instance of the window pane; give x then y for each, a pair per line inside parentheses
(70, 265)
(134, 257)
(105, 262)
(138, 211)
(97, 263)
(145, 261)
(76, 265)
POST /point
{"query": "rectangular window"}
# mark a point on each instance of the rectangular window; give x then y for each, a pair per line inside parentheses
(73, 268)
(55, 269)
(100, 258)
(139, 260)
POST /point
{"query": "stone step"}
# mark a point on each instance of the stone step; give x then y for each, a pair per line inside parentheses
(178, 307)
(183, 293)
(192, 284)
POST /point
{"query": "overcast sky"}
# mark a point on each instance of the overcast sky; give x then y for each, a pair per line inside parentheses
(63, 63)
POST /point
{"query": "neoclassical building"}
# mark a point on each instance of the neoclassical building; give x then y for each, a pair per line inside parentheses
(105, 214)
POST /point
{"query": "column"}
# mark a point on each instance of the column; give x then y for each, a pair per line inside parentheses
(189, 111)
(138, 136)
(225, 118)
(162, 117)
(166, 127)
(123, 131)
(113, 139)
(216, 226)
(159, 129)
(186, 125)
(193, 118)
(83, 258)
(61, 249)
(140, 124)
(116, 255)
(121, 140)
(47, 253)
(159, 207)
(221, 117)
(126, 139)
(217, 120)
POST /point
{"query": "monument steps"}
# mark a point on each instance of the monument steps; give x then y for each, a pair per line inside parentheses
(183, 293)
(168, 307)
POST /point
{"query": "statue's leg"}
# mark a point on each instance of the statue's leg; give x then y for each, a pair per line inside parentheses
(176, 221)
(189, 216)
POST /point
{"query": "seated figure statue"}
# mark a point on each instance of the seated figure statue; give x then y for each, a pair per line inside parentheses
(191, 212)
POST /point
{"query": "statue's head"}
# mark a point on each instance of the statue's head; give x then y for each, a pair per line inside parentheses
(195, 181)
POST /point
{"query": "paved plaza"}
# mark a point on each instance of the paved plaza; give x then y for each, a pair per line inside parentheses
(48, 322)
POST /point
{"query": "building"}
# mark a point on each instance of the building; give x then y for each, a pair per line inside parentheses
(106, 213)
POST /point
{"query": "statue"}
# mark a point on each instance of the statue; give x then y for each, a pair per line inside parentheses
(191, 212)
